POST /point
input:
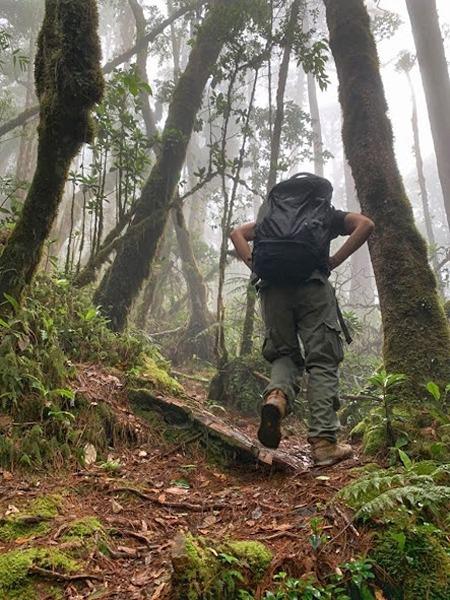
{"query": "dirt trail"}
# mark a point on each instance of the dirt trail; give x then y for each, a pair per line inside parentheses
(145, 496)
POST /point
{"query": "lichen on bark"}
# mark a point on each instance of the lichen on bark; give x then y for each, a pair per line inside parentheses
(69, 82)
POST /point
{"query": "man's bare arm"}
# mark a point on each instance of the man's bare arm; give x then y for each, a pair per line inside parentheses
(359, 228)
(241, 236)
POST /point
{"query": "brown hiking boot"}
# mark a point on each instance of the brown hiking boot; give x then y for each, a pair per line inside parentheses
(273, 410)
(326, 453)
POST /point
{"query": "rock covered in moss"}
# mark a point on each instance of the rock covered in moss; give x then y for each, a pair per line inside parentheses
(205, 569)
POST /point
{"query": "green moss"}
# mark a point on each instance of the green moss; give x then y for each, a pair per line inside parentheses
(417, 560)
(209, 570)
(15, 566)
(19, 525)
(158, 376)
(83, 528)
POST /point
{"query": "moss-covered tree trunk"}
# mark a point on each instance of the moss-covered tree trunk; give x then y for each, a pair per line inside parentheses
(68, 83)
(416, 335)
(130, 268)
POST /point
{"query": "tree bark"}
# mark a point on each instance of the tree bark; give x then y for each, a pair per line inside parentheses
(436, 84)
(68, 83)
(131, 266)
(197, 339)
(416, 335)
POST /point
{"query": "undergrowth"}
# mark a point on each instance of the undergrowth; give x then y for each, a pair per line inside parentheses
(55, 328)
(407, 509)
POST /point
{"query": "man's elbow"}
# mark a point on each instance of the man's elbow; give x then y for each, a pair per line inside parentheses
(370, 225)
(232, 234)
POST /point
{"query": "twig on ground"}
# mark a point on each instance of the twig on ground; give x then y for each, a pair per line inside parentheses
(168, 504)
(180, 445)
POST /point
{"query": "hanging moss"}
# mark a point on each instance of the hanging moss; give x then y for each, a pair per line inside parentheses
(416, 333)
(68, 83)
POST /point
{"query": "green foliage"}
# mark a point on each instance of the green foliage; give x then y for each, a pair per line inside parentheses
(15, 566)
(416, 560)
(55, 328)
(354, 580)
(417, 492)
(207, 570)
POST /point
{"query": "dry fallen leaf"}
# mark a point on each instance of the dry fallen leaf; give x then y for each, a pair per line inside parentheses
(176, 491)
(116, 507)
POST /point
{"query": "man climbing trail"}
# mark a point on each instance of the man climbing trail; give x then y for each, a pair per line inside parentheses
(291, 259)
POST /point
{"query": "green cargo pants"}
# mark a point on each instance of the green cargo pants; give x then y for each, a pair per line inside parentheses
(308, 311)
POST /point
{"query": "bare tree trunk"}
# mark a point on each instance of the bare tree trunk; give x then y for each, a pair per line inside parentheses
(315, 114)
(362, 283)
(275, 143)
(416, 335)
(68, 37)
(197, 339)
(436, 84)
(133, 261)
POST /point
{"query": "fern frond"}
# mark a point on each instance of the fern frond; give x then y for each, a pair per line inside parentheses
(432, 497)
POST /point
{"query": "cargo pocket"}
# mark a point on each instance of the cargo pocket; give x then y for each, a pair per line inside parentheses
(334, 333)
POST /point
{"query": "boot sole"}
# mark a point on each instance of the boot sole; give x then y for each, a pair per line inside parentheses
(269, 432)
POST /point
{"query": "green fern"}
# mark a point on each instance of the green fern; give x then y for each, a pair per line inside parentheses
(422, 490)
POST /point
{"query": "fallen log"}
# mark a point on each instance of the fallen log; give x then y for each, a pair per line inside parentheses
(209, 425)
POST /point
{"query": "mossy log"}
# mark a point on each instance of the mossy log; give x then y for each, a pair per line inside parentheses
(205, 569)
(68, 83)
(233, 442)
(416, 333)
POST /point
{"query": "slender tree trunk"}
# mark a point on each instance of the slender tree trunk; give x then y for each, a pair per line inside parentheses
(422, 182)
(416, 335)
(133, 261)
(275, 144)
(362, 293)
(68, 83)
(436, 84)
(275, 141)
(197, 339)
(315, 114)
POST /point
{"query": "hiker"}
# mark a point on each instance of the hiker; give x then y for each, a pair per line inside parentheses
(291, 260)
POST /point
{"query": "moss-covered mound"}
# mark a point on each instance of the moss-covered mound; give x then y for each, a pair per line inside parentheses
(416, 562)
(20, 568)
(209, 570)
(33, 520)
(44, 418)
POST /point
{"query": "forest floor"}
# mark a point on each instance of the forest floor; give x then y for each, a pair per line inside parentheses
(144, 496)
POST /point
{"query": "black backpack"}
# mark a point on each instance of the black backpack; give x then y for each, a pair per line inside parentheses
(293, 230)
